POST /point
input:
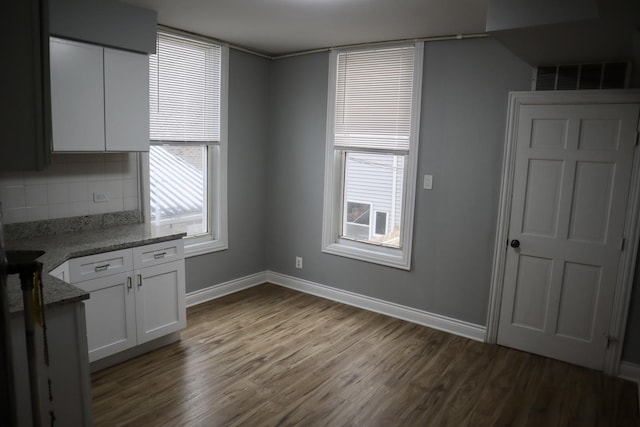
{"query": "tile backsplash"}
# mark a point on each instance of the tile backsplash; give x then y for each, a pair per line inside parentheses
(72, 186)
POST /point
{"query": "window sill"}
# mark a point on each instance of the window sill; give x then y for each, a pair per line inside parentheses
(192, 249)
(396, 258)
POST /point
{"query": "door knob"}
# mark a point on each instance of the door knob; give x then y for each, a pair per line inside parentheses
(515, 243)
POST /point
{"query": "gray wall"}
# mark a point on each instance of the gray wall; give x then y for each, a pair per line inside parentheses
(631, 350)
(277, 114)
(247, 188)
(508, 14)
(635, 59)
(547, 32)
(104, 22)
(462, 136)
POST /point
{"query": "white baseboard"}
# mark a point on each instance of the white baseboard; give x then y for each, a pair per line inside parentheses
(132, 352)
(226, 288)
(435, 321)
(628, 371)
(631, 371)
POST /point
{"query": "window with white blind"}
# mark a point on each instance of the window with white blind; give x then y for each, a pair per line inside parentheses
(372, 152)
(188, 154)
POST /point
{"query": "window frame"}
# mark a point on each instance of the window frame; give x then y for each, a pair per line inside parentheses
(334, 177)
(216, 239)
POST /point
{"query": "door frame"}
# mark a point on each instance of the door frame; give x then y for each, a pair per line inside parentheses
(626, 267)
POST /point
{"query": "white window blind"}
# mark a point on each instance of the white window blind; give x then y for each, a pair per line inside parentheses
(373, 124)
(373, 99)
(184, 92)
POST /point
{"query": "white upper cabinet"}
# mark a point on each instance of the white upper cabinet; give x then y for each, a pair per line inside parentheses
(126, 100)
(99, 98)
(77, 96)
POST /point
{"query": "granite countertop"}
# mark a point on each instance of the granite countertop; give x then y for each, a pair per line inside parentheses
(62, 247)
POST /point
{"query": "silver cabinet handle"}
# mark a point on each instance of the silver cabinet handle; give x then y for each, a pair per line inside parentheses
(102, 267)
(139, 281)
(129, 284)
(159, 255)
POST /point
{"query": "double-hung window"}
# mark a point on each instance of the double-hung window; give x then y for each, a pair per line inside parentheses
(188, 153)
(372, 152)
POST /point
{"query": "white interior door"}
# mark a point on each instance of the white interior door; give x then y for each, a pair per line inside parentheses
(570, 190)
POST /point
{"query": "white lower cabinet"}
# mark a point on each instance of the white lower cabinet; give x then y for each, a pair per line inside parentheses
(111, 315)
(160, 300)
(68, 368)
(131, 308)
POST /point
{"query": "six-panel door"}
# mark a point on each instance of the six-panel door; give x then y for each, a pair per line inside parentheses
(570, 190)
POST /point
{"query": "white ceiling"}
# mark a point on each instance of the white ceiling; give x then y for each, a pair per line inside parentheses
(277, 27)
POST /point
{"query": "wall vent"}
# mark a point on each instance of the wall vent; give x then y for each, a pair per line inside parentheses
(608, 75)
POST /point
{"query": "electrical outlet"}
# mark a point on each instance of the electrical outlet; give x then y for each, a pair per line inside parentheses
(299, 262)
(100, 197)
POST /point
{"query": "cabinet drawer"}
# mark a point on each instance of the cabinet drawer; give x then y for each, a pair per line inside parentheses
(100, 265)
(158, 253)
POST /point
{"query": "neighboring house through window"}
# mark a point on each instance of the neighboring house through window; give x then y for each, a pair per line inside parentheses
(188, 154)
(371, 158)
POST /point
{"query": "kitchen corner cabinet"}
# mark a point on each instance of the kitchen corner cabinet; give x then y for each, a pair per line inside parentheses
(99, 98)
(68, 369)
(136, 295)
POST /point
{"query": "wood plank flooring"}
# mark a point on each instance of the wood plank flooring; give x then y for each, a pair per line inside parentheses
(270, 356)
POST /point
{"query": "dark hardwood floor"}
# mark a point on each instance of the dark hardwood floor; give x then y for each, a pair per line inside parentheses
(271, 356)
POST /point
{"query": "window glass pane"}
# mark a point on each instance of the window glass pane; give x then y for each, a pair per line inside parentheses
(178, 184)
(381, 223)
(373, 182)
(358, 213)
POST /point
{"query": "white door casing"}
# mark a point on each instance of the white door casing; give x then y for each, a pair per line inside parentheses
(568, 171)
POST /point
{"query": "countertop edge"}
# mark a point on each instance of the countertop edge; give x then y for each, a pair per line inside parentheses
(99, 250)
(58, 292)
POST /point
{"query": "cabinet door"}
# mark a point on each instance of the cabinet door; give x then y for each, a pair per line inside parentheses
(160, 300)
(111, 316)
(77, 96)
(126, 97)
